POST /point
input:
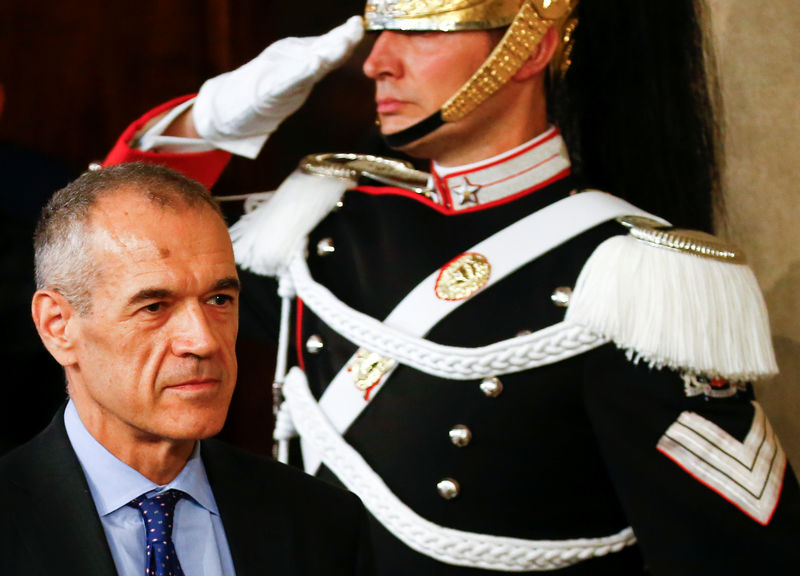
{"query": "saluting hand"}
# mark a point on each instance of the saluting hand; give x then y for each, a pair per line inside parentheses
(238, 110)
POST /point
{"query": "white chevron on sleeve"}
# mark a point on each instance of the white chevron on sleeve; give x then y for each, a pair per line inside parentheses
(748, 474)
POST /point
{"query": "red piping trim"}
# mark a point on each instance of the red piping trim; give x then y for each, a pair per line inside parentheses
(442, 187)
(521, 172)
(387, 190)
(690, 473)
(391, 191)
(552, 135)
(507, 199)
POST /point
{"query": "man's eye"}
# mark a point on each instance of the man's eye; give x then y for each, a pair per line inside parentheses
(220, 299)
(154, 307)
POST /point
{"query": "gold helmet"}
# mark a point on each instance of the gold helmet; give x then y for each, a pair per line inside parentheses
(442, 15)
(527, 21)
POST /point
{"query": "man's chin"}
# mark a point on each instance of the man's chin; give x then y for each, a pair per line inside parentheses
(196, 429)
(197, 417)
(417, 137)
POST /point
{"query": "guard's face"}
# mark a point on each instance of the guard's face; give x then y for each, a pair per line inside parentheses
(415, 73)
(155, 357)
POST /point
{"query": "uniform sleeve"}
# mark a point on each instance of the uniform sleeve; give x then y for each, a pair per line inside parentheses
(702, 477)
(205, 167)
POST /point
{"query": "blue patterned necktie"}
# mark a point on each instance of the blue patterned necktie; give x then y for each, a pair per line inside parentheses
(157, 514)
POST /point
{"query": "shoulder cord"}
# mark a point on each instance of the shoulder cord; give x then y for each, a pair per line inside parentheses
(546, 346)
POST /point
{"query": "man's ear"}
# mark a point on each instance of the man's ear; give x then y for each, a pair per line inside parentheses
(541, 56)
(54, 318)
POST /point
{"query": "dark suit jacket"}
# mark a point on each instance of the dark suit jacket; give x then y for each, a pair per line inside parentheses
(277, 520)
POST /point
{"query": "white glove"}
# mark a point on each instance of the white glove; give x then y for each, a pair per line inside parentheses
(238, 110)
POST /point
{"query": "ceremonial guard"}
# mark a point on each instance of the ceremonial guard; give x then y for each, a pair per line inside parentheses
(514, 371)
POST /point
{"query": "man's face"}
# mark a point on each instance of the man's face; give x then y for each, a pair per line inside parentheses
(155, 357)
(416, 73)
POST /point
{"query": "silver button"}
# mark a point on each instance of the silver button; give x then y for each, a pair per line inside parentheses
(338, 206)
(561, 295)
(314, 344)
(325, 247)
(448, 488)
(492, 387)
(94, 166)
(460, 435)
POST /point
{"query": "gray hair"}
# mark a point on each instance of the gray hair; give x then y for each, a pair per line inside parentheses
(62, 255)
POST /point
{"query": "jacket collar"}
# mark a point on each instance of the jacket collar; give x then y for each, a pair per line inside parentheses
(504, 177)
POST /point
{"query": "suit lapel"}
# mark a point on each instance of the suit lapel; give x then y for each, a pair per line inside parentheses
(56, 507)
(257, 530)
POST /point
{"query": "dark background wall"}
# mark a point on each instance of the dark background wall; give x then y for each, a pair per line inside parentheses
(77, 72)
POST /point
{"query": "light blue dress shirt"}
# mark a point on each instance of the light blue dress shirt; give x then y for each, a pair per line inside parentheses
(197, 532)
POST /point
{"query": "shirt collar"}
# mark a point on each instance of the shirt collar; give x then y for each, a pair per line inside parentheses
(113, 483)
(504, 177)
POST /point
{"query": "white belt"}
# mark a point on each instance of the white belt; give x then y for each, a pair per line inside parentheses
(446, 545)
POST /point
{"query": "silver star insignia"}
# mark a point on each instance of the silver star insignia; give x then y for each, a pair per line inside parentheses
(466, 193)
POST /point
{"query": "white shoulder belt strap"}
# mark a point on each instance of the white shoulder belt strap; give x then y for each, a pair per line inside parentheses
(530, 237)
(399, 336)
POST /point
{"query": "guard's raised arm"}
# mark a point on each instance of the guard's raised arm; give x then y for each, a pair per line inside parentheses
(238, 110)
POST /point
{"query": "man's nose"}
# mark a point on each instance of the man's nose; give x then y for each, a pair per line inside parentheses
(193, 334)
(384, 58)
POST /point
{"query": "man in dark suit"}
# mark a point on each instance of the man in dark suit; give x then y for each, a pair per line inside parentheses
(138, 300)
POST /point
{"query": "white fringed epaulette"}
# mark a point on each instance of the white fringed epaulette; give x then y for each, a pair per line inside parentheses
(268, 237)
(676, 298)
(265, 239)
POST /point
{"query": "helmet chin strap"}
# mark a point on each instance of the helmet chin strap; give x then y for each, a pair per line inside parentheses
(415, 131)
